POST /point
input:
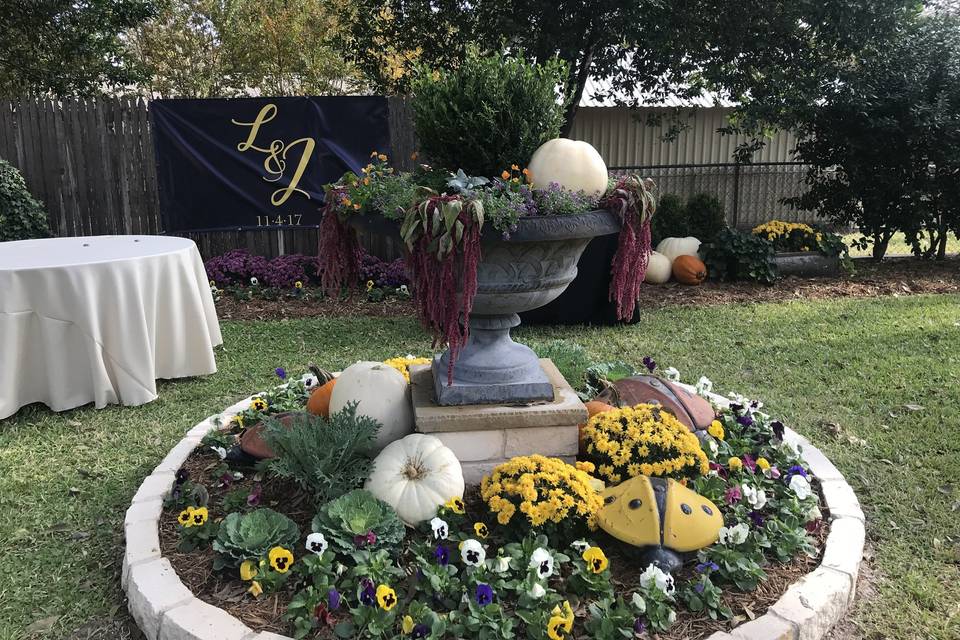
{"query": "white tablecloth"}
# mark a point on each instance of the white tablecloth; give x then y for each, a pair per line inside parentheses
(100, 319)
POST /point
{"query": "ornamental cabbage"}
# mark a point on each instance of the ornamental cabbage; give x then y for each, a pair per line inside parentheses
(358, 520)
(250, 536)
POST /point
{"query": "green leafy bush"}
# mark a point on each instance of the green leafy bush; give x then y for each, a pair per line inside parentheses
(489, 113)
(358, 520)
(327, 458)
(735, 255)
(251, 535)
(21, 216)
(702, 217)
(705, 216)
(669, 220)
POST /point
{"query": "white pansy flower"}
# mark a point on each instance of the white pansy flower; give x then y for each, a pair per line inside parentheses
(671, 617)
(580, 545)
(638, 602)
(317, 544)
(472, 553)
(537, 591)
(653, 576)
(800, 486)
(542, 561)
(254, 281)
(734, 535)
(712, 445)
(500, 564)
(440, 529)
(756, 498)
(672, 374)
(220, 451)
(704, 386)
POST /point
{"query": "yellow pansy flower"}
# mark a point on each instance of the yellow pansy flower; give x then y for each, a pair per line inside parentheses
(763, 463)
(716, 430)
(248, 570)
(258, 404)
(255, 589)
(481, 529)
(735, 464)
(199, 516)
(456, 505)
(407, 624)
(596, 560)
(386, 597)
(280, 559)
(186, 517)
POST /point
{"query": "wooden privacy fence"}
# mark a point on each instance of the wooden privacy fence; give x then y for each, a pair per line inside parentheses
(92, 164)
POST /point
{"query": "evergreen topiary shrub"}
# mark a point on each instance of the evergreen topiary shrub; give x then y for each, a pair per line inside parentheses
(489, 113)
(705, 216)
(21, 216)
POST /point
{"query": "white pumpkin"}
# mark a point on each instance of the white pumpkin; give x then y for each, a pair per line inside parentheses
(673, 247)
(573, 164)
(381, 393)
(415, 475)
(658, 268)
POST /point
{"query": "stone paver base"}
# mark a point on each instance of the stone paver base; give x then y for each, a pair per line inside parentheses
(166, 610)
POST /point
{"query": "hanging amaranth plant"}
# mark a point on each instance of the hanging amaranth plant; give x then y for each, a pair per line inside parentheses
(442, 236)
(634, 200)
(339, 251)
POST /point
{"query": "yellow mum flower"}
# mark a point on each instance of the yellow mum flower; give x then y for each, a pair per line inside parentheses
(280, 559)
(596, 560)
(735, 464)
(386, 597)
(716, 430)
(248, 570)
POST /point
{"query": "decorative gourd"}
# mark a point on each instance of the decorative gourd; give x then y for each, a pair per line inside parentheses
(593, 408)
(658, 268)
(689, 270)
(573, 164)
(415, 475)
(381, 393)
(319, 402)
(673, 247)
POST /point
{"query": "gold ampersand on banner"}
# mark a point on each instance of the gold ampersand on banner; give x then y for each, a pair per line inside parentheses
(275, 162)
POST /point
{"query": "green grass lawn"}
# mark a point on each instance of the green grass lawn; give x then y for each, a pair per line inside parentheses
(66, 479)
(898, 246)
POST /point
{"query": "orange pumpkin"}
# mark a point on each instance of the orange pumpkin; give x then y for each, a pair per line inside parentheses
(593, 408)
(319, 402)
(689, 270)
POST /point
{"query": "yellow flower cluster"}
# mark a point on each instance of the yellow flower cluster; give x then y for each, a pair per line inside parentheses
(643, 439)
(542, 489)
(403, 363)
(779, 232)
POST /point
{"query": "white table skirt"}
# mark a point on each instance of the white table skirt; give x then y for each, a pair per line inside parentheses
(100, 319)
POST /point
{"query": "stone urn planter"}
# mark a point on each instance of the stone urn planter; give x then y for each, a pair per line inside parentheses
(522, 273)
(807, 264)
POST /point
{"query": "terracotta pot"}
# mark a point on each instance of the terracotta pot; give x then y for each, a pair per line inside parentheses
(252, 442)
(690, 409)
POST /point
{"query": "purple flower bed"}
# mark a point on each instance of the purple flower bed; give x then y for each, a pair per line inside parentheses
(238, 266)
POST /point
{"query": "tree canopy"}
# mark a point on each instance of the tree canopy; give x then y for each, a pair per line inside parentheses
(62, 47)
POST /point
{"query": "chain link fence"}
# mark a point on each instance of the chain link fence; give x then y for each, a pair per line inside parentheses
(751, 193)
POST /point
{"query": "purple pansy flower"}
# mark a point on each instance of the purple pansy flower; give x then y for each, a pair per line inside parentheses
(733, 495)
(182, 476)
(744, 420)
(281, 373)
(707, 566)
(368, 594)
(795, 470)
(365, 540)
(254, 498)
(757, 518)
(442, 554)
(649, 363)
(484, 594)
(778, 429)
(639, 626)
(698, 587)
(420, 631)
(749, 462)
(333, 599)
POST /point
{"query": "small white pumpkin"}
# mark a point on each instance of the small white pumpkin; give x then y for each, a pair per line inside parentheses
(658, 268)
(673, 247)
(415, 475)
(381, 393)
(573, 164)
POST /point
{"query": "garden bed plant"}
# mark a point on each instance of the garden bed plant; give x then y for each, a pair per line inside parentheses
(295, 544)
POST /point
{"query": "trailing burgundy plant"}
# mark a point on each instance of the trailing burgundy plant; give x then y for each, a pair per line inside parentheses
(338, 263)
(634, 200)
(442, 236)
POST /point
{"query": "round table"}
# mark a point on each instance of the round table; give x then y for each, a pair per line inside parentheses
(99, 319)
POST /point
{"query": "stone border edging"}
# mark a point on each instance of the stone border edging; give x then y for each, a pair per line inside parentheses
(165, 609)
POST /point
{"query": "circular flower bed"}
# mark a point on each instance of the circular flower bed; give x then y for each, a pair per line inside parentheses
(521, 556)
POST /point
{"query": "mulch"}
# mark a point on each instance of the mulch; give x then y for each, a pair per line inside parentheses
(224, 589)
(893, 277)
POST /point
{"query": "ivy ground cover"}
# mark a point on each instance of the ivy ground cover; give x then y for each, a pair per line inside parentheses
(871, 382)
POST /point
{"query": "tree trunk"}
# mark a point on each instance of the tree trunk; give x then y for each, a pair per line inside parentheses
(880, 241)
(579, 81)
(942, 239)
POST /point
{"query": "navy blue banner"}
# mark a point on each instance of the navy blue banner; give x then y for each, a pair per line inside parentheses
(233, 163)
